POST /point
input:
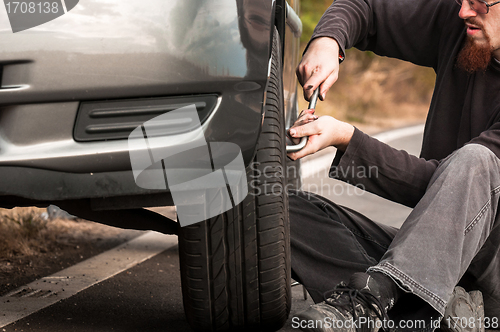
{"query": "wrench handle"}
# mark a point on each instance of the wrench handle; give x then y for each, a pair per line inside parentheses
(303, 140)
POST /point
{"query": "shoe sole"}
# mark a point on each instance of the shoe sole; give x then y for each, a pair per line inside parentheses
(464, 313)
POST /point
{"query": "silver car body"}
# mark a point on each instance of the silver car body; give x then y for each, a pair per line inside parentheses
(126, 51)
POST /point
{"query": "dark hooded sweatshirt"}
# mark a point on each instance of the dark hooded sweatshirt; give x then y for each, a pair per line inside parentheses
(465, 108)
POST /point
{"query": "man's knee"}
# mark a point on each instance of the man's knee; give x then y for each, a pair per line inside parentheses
(474, 157)
(472, 161)
(475, 152)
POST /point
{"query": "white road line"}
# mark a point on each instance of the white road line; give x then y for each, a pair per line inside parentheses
(395, 134)
(316, 167)
(44, 292)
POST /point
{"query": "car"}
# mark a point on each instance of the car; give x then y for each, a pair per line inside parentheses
(73, 90)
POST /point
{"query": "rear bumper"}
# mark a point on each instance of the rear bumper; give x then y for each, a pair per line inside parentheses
(54, 166)
(40, 185)
(46, 77)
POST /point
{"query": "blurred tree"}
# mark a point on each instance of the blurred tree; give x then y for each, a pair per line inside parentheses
(311, 11)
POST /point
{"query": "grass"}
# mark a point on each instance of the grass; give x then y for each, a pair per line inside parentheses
(24, 232)
(32, 246)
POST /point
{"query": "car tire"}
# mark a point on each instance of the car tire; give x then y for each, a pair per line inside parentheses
(235, 268)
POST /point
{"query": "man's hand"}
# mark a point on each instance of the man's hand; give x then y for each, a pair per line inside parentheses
(305, 116)
(319, 66)
(323, 132)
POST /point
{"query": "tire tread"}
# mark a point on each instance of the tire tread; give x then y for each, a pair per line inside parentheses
(244, 251)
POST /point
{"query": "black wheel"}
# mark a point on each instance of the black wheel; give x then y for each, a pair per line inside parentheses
(235, 268)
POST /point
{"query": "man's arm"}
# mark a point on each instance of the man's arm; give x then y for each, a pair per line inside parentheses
(411, 30)
(365, 162)
(391, 173)
(383, 170)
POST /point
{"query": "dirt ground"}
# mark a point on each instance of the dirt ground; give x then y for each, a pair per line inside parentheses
(65, 251)
(32, 247)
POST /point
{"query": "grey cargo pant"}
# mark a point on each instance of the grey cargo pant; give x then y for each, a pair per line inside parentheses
(451, 237)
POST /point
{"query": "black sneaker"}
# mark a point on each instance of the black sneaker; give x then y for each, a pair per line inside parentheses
(347, 308)
(464, 312)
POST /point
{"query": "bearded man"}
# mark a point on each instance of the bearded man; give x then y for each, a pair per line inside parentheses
(447, 252)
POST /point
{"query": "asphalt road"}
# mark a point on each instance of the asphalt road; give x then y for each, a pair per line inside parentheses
(147, 297)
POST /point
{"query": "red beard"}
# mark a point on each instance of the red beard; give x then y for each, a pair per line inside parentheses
(474, 57)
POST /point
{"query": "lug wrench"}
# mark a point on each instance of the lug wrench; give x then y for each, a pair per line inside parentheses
(303, 140)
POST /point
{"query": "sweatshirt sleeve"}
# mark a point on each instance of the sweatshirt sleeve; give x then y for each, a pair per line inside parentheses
(406, 29)
(380, 169)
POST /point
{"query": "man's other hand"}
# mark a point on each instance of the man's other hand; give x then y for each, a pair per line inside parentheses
(319, 66)
(323, 132)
